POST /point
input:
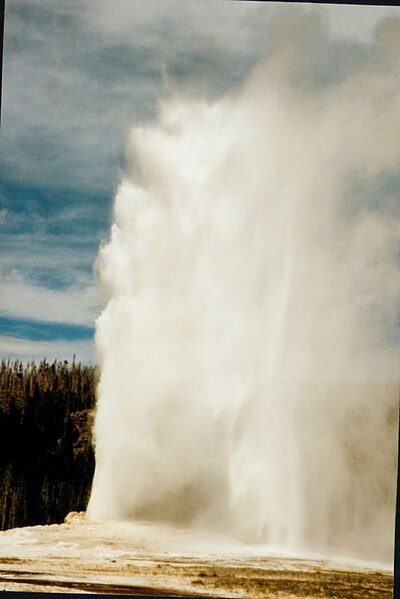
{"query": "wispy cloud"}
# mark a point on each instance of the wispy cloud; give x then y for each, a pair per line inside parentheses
(27, 350)
(37, 330)
(51, 241)
(74, 305)
(76, 76)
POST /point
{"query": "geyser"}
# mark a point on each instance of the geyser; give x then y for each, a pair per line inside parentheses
(248, 350)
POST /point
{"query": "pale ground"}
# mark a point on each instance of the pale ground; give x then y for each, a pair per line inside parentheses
(127, 558)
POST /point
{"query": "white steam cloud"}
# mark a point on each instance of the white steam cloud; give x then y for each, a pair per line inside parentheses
(248, 353)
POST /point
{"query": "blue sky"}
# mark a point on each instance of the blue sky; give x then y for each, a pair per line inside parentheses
(78, 75)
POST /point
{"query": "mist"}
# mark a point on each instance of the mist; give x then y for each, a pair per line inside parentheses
(248, 350)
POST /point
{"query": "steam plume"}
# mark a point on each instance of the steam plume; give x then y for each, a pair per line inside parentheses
(248, 350)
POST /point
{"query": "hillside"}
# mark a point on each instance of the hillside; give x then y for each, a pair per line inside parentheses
(46, 453)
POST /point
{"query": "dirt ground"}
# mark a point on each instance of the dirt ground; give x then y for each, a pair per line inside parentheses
(227, 578)
(140, 560)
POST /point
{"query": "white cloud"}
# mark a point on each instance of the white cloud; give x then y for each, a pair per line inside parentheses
(74, 305)
(230, 25)
(356, 22)
(25, 350)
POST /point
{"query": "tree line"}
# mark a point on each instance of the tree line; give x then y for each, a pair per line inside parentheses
(46, 450)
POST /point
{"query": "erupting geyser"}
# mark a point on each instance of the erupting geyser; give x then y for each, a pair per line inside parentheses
(248, 350)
